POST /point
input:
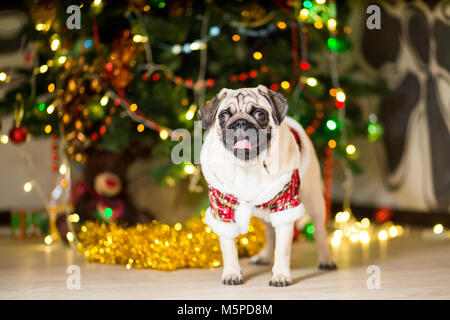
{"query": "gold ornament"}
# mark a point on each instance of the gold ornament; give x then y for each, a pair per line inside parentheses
(159, 246)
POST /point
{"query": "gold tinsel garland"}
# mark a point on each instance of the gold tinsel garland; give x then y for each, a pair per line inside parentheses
(159, 246)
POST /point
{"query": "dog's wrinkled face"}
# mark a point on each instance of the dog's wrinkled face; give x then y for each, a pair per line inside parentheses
(244, 119)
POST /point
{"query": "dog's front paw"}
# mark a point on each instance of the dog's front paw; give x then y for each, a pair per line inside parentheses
(232, 279)
(280, 280)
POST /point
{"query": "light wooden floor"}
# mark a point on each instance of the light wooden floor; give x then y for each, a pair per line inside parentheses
(411, 268)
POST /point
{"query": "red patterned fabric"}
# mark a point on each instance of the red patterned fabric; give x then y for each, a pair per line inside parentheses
(223, 205)
(286, 198)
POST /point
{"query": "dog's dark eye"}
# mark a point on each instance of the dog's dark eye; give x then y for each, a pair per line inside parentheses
(260, 116)
(224, 116)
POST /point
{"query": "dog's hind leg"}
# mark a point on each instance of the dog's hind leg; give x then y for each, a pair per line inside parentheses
(264, 257)
(314, 202)
(232, 274)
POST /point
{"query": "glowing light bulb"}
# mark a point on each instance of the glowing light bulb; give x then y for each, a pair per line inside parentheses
(332, 144)
(393, 232)
(312, 82)
(438, 229)
(54, 44)
(74, 218)
(335, 241)
(27, 187)
(177, 226)
(176, 49)
(163, 134)
(4, 139)
(69, 236)
(342, 216)
(331, 124)
(139, 39)
(307, 4)
(354, 238)
(189, 115)
(97, 3)
(285, 85)
(191, 112)
(133, 107)
(340, 96)
(281, 25)
(104, 100)
(50, 108)
(62, 59)
(51, 87)
(214, 31)
(338, 234)
(257, 55)
(364, 237)
(331, 23)
(382, 235)
(197, 45)
(320, 1)
(40, 26)
(2, 76)
(43, 68)
(236, 37)
(140, 127)
(304, 14)
(351, 149)
(318, 24)
(108, 212)
(189, 169)
(48, 239)
(365, 223)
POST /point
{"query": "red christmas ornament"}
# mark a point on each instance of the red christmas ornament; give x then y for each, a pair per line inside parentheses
(19, 134)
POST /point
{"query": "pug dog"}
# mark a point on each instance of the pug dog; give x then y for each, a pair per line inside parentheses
(259, 162)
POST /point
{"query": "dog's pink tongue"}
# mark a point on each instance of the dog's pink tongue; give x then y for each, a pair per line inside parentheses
(242, 144)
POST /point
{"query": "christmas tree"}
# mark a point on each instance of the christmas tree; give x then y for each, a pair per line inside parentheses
(117, 73)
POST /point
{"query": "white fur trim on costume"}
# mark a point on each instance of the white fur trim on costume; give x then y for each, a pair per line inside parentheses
(287, 216)
(224, 229)
(242, 216)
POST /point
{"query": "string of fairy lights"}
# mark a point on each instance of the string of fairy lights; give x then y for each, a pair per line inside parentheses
(321, 14)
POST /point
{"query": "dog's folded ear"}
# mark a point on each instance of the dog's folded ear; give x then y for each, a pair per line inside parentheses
(277, 101)
(208, 112)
